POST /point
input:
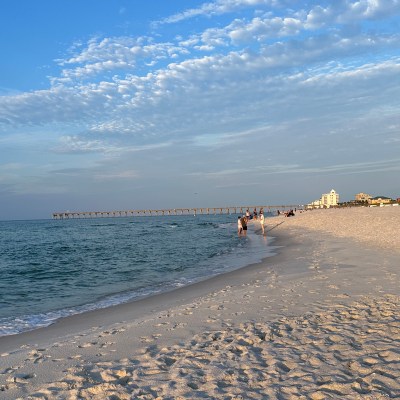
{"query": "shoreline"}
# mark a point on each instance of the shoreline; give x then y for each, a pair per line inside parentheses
(144, 303)
(130, 310)
(322, 309)
(200, 270)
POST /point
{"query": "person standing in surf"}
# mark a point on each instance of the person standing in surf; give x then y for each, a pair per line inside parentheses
(261, 219)
(239, 225)
(243, 220)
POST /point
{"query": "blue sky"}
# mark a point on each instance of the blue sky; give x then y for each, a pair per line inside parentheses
(108, 105)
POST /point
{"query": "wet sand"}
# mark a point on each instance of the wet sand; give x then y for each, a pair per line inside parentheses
(318, 320)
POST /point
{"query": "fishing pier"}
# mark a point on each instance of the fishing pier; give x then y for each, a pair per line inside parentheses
(171, 211)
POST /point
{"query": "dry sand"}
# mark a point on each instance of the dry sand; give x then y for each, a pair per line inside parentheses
(319, 320)
(374, 226)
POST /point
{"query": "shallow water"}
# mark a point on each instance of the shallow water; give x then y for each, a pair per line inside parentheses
(54, 268)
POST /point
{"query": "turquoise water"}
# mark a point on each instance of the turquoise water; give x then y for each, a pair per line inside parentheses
(50, 269)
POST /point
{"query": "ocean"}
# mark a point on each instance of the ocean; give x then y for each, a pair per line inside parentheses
(51, 269)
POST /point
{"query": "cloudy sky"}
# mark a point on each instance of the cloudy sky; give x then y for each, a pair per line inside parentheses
(126, 104)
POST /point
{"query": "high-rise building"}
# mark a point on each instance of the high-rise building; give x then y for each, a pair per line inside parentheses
(330, 199)
(327, 200)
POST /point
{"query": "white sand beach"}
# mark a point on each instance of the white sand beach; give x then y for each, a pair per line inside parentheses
(318, 320)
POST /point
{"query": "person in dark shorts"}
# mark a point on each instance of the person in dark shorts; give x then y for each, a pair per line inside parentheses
(244, 225)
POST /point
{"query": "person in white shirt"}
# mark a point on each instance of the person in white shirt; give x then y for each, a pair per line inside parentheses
(240, 227)
(261, 219)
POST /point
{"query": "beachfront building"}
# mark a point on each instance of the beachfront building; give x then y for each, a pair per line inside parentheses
(330, 199)
(379, 200)
(327, 200)
(315, 204)
(362, 197)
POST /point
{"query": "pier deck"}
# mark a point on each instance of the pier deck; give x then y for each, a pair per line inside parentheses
(170, 211)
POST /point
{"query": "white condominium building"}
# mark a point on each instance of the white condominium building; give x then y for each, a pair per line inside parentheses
(327, 200)
(330, 199)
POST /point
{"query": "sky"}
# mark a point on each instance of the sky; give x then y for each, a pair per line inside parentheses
(125, 104)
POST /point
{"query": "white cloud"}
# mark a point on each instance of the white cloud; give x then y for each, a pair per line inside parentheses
(75, 144)
(83, 144)
(116, 175)
(114, 54)
(217, 8)
(340, 11)
(351, 12)
(273, 169)
(205, 98)
(369, 9)
(237, 87)
(264, 29)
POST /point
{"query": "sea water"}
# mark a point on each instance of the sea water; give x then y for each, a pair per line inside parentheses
(51, 269)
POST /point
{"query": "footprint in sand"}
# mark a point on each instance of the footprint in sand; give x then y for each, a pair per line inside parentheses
(10, 370)
(341, 296)
(161, 324)
(17, 378)
(177, 325)
(147, 339)
(112, 332)
(84, 345)
(106, 344)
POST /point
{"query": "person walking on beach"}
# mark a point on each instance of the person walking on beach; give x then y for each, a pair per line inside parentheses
(262, 222)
